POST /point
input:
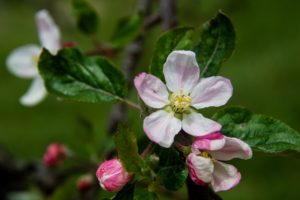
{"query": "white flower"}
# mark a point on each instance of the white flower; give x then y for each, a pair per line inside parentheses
(178, 100)
(23, 61)
(204, 165)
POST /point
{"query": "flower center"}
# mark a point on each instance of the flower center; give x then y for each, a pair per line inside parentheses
(180, 103)
(205, 154)
(35, 60)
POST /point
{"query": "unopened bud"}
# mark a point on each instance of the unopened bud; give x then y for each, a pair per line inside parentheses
(112, 176)
(55, 154)
(84, 182)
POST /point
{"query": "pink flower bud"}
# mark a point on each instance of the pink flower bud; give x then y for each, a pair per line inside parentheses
(54, 155)
(84, 182)
(112, 176)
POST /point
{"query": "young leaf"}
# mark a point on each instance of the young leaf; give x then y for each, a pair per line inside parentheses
(127, 148)
(261, 132)
(71, 75)
(127, 29)
(86, 17)
(173, 172)
(126, 193)
(216, 45)
(175, 39)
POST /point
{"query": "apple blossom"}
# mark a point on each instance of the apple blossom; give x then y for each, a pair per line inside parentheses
(55, 154)
(112, 176)
(179, 99)
(204, 165)
(23, 61)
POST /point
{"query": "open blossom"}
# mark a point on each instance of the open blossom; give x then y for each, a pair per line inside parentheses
(179, 99)
(55, 154)
(112, 176)
(204, 162)
(23, 61)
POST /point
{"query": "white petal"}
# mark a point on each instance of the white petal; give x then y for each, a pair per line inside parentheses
(225, 177)
(161, 127)
(200, 168)
(181, 71)
(152, 90)
(36, 93)
(213, 91)
(22, 62)
(49, 33)
(233, 148)
(197, 125)
(212, 141)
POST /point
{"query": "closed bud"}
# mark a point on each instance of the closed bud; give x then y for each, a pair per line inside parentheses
(54, 155)
(112, 176)
(84, 182)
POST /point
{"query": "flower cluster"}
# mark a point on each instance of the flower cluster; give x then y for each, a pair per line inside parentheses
(23, 61)
(177, 103)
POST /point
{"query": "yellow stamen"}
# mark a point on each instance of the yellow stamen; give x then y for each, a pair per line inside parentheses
(180, 103)
(35, 60)
(205, 154)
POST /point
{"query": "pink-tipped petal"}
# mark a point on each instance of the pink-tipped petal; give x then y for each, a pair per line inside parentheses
(233, 148)
(200, 169)
(225, 177)
(36, 93)
(181, 71)
(48, 31)
(151, 90)
(22, 62)
(161, 127)
(213, 141)
(213, 91)
(197, 125)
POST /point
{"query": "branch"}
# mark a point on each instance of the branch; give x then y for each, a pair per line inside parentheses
(168, 13)
(132, 56)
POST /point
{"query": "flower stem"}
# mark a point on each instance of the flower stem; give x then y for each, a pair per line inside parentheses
(148, 149)
(132, 104)
(184, 149)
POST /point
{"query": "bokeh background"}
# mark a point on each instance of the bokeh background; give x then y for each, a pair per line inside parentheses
(264, 69)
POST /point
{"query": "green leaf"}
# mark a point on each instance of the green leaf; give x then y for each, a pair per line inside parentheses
(126, 193)
(127, 148)
(175, 39)
(261, 132)
(173, 171)
(90, 79)
(86, 17)
(216, 45)
(127, 29)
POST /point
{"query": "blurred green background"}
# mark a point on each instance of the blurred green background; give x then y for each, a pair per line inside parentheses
(264, 70)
